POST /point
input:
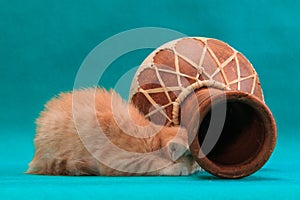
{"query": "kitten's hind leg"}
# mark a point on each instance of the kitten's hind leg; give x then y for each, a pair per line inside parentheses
(61, 167)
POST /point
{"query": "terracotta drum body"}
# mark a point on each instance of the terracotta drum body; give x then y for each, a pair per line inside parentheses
(212, 90)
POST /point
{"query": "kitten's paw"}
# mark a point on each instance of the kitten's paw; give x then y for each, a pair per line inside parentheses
(175, 170)
(176, 150)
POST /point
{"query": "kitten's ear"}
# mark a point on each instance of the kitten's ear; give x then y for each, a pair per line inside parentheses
(178, 146)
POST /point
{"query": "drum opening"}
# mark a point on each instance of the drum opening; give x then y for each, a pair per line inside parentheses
(242, 136)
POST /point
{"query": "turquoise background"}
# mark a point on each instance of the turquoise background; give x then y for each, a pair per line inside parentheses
(43, 43)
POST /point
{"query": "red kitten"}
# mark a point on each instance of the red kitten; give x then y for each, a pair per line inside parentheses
(94, 132)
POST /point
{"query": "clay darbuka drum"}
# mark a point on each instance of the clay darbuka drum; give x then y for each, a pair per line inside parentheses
(186, 81)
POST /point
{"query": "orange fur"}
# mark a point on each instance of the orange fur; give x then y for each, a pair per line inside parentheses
(94, 132)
